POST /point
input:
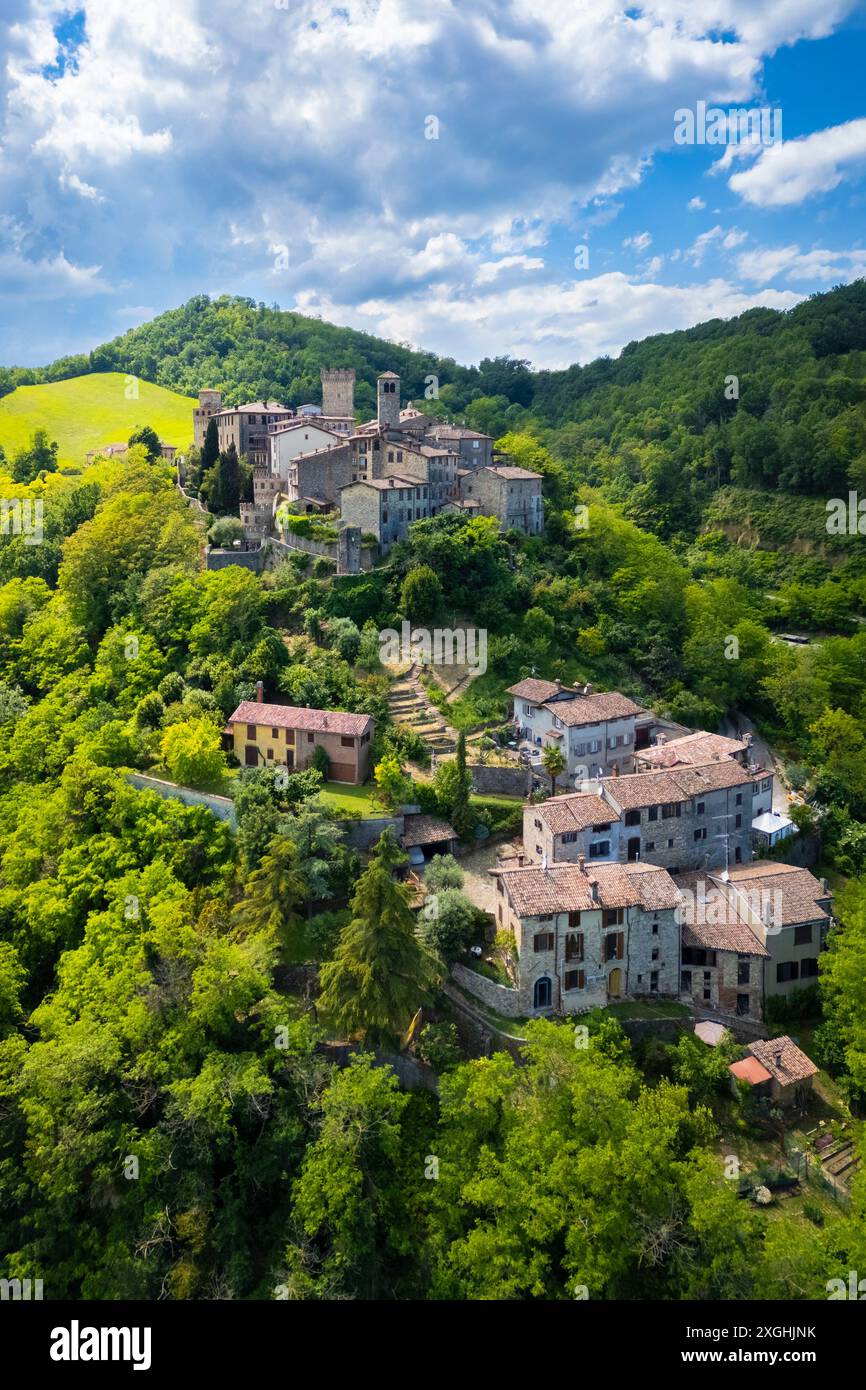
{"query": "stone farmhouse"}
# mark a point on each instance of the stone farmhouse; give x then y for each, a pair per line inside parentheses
(511, 494)
(263, 735)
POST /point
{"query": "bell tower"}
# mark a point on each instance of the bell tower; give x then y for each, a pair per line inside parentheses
(388, 400)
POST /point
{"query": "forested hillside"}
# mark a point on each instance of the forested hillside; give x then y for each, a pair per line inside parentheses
(171, 1124)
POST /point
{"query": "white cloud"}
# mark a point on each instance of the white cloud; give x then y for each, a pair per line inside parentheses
(696, 204)
(766, 264)
(553, 324)
(191, 139)
(798, 169)
(639, 242)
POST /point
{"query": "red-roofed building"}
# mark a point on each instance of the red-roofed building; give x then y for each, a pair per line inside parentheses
(263, 735)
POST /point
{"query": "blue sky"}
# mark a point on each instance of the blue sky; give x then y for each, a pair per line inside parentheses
(280, 149)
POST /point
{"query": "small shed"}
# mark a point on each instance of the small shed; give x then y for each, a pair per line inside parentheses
(749, 1069)
(791, 1071)
(771, 827)
(423, 836)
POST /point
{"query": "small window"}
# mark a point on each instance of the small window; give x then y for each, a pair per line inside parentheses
(739, 799)
(574, 979)
(347, 742)
(787, 970)
(251, 731)
(743, 972)
(653, 813)
(808, 968)
(275, 733)
(654, 981)
(543, 941)
(655, 953)
(310, 738)
(803, 934)
(702, 806)
(632, 817)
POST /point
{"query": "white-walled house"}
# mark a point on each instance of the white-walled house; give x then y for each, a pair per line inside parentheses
(596, 732)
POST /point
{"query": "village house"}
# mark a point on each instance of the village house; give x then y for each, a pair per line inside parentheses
(778, 1069)
(722, 962)
(789, 911)
(384, 507)
(589, 934)
(596, 732)
(509, 493)
(694, 817)
(265, 735)
(691, 750)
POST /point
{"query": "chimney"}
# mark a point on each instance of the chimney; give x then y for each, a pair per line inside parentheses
(593, 888)
(260, 693)
(588, 689)
(581, 860)
(660, 739)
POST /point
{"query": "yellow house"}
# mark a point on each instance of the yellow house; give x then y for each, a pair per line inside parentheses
(262, 735)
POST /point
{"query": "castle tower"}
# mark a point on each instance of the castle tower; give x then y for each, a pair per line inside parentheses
(388, 400)
(338, 391)
(209, 403)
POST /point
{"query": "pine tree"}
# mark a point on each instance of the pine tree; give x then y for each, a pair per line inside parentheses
(273, 892)
(381, 974)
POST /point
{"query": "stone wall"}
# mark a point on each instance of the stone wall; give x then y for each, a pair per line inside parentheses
(247, 559)
(501, 781)
(221, 806)
(361, 834)
(500, 998)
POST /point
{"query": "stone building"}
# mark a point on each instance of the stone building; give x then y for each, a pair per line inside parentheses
(789, 910)
(384, 507)
(298, 436)
(722, 968)
(474, 450)
(511, 494)
(263, 735)
(697, 817)
(388, 400)
(589, 934)
(431, 464)
(338, 392)
(209, 403)
(691, 750)
(248, 426)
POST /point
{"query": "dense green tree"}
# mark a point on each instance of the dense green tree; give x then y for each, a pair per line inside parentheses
(380, 974)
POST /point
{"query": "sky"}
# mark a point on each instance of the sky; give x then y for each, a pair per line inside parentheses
(475, 177)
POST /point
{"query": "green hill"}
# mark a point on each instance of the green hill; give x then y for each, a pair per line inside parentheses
(87, 412)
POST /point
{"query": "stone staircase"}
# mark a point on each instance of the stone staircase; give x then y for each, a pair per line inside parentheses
(408, 704)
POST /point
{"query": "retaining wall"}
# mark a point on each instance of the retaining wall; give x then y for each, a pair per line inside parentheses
(500, 998)
(221, 806)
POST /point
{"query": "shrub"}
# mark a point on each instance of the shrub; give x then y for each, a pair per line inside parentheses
(813, 1213)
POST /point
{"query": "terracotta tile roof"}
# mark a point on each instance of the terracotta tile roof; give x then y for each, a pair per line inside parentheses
(800, 894)
(594, 709)
(750, 1069)
(730, 936)
(533, 689)
(511, 473)
(321, 721)
(425, 830)
(568, 888)
(783, 1059)
(639, 789)
(712, 919)
(700, 747)
(574, 812)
